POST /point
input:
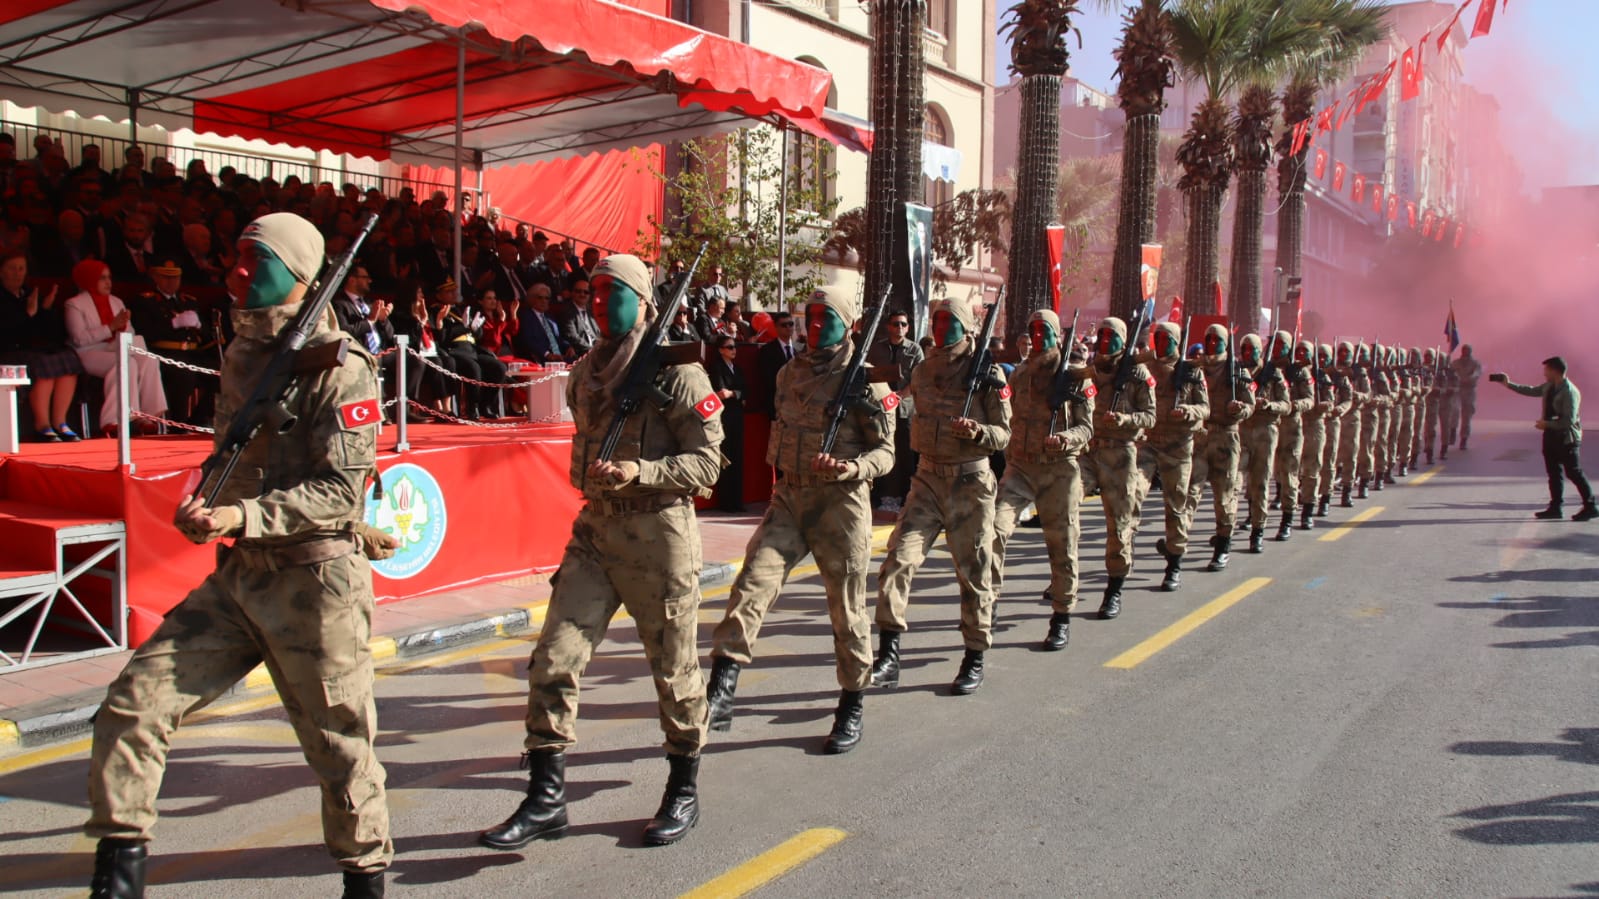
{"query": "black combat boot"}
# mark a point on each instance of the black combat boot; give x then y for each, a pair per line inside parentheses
(680, 804)
(846, 723)
(1321, 506)
(970, 676)
(1376, 482)
(719, 692)
(1257, 537)
(1174, 568)
(1360, 491)
(1388, 477)
(1220, 548)
(885, 668)
(1344, 499)
(363, 886)
(1429, 455)
(1060, 632)
(1589, 512)
(1285, 529)
(542, 815)
(118, 869)
(1550, 514)
(1305, 513)
(1111, 606)
(1443, 453)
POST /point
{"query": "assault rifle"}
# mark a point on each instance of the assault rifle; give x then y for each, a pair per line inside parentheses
(270, 403)
(639, 382)
(982, 357)
(1124, 368)
(1180, 370)
(854, 383)
(1061, 389)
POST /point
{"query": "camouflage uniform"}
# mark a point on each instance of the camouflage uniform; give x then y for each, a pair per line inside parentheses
(1382, 400)
(1467, 372)
(816, 512)
(637, 548)
(1291, 428)
(1113, 455)
(1259, 435)
(1430, 413)
(953, 489)
(1050, 479)
(1320, 436)
(1358, 385)
(294, 593)
(1217, 451)
(1448, 409)
(1409, 397)
(1168, 446)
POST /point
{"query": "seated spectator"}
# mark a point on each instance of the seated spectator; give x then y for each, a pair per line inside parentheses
(34, 333)
(132, 253)
(538, 336)
(496, 327)
(709, 321)
(175, 325)
(94, 319)
(411, 319)
(733, 323)
(60, 250)
(471, 361)
(201, 266)
(680, 330)
(578, 326)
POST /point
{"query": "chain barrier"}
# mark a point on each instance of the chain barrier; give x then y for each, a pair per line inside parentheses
(169, 423)
(491, 425)
(514, 385)
(165, 360)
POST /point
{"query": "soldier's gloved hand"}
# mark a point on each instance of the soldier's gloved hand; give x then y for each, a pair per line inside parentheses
(964, 428)
(839, 469)
(376, 544)
(614, 474)
(200, 524)
(1236, 407)
(1113, 420)
(1177, 413)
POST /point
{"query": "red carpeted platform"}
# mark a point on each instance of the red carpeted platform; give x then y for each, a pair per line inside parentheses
(470, 505)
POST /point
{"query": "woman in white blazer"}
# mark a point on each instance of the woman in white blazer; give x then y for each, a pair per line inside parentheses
(94, 318)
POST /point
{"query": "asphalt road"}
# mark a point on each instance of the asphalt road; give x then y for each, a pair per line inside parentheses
(1404, 710)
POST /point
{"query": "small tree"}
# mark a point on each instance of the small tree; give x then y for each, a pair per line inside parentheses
(972, 221)
(704, 203)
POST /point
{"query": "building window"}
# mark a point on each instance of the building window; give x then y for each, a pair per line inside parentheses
(938, 17)
(936, 130)
(812, 160)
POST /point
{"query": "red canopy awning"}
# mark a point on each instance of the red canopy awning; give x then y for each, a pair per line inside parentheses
(378, 78)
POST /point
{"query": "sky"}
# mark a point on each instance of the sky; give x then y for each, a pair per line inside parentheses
(1540, 55)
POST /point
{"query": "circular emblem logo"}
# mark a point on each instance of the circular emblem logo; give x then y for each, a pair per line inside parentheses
(412, 509)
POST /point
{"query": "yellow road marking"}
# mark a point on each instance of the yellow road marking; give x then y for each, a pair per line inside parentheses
(1338, 533)
(769, 865)
(1186, 624)
(1426, 477)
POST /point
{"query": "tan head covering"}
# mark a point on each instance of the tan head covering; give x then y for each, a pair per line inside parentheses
(292, 239)
(628, 269)
(612, 355)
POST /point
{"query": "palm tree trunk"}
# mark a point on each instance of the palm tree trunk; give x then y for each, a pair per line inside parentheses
(1248, 221)
(1204, 239)
(894, 169)
(1037, 180)
(1135, 218)
(1291, 218)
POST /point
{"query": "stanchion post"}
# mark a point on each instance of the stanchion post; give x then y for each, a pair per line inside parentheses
(124, 359)
(402, 343)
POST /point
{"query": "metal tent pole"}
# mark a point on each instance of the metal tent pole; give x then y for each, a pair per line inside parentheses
(782, 226)
(460, 125)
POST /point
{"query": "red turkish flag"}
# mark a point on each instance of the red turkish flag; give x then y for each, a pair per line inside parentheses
(1485, 19)
(1409, 76)
(1004, 392)
(1426, 224)
(890, 402)
(360, 414)
(1176, 313)
(1379, 84)
(1301, 131)
(1393, 208)
(1324, 119)
(1089, 390)
(1410, 213)
(1321, 163)
(1449, 29)
(1215, 289)
(1442, 226)
(1460, 234)
(1348, 109)
(1358, 192)
(1338, 175)
(1376, 198)
(1057, 254)
(708, 406)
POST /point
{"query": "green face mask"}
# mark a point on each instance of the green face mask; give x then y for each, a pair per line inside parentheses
(954, 331)
(621, 309)
(823, 327)
(272, 281)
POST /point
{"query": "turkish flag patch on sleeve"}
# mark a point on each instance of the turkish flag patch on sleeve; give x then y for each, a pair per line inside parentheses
(1150, 380)
(1253, 387)
(890, 402)
(708, 407)
(1004, 392)
(359, 415)
(1090, 391)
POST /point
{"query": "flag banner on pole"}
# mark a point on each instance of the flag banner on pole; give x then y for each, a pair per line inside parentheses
(1358, 192)
(1410, 213)
(1215, 289)
(1338, 175)
(1451, 333)
(1439, 228)
(1149, 273)
(1057, 257)
(1460, 234)
(1321, 163)
(1485, 19)
(1376, 198)
(1393, 208)
(1176, 313)
(1448, 29)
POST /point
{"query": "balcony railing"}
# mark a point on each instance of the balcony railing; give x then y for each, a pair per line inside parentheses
(827, 8)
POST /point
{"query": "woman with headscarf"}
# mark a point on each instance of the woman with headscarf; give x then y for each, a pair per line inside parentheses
(94, 319)
(33, 333)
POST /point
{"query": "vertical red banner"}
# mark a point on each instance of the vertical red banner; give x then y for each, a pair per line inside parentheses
(1338, 175)
(1376, 198)
(1321, 163)
(1055, 238)
(1358, 192)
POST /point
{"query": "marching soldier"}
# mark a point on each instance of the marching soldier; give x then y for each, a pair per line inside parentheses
(1217, 451)
(1259, 432)
(1382, 397)
(822, 505)
(1113, 456)
(1409, 397)
(1448, 408)
(1467, 372)
(1351, 438)
(1294, 363)
(1182, 404)
(175, 324)
(635, 546)
(1313, 454)
(952, 491)
(1042, 468)
(294, 591)
(1432, 388)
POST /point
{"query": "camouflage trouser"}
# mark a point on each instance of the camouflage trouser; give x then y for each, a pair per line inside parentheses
(1382, 455)
(1173, 458)
(834, 523)
(1290, 443)
(1449, 419)
(1429, 435)
(962, 506)
(1329, 453)
(1056, 489)
(1468, 410)
(649, 564)
(310, 625)
(1314, 437)
(1113, 465)
(1405, 446)
(1216, 455)
(1259, 446)
(1351, 442)
(1370, 431)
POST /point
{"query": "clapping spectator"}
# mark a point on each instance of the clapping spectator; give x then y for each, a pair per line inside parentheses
(94, 319)
(34, 333)
(538, 336)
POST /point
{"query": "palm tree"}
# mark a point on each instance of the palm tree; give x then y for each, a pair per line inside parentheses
(894, 169)
(1144, 71)
(1039, 55)
(1347, 28)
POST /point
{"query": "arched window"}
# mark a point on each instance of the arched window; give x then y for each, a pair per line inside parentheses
(811, 159)
(938, 16)
(936, 130)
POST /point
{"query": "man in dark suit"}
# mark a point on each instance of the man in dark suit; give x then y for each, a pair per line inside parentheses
(578, 328)
(773, 356)
(131, 256)
(538, 335)
(499, 274)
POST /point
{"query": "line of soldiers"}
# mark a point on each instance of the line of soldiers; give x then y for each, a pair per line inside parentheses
(1315, 420)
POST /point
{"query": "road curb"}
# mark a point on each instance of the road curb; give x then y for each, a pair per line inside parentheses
(75, 719)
